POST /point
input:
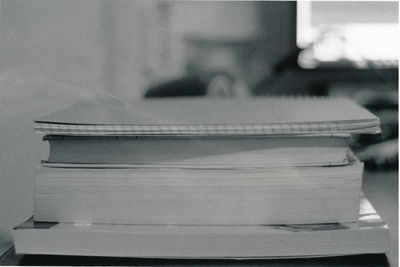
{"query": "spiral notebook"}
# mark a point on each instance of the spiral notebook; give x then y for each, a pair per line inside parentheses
(212, 117)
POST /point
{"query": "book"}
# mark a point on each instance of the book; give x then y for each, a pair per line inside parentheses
(209, 117)
(214, 152)
(197, 195)
(367, 235)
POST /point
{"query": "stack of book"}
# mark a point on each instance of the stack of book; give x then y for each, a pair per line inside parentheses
(203, 179)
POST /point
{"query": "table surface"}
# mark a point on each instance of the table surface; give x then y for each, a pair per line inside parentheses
(380, 187)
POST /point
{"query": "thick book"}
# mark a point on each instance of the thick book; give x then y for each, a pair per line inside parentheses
(212, 117)
(367, 235)
(214, 152)
(194, 195)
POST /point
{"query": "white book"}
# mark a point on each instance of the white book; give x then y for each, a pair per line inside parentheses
(368, 235)
(214, 152)
(182, 195)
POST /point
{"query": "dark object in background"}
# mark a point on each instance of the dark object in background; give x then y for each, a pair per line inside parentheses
(381, 156)
(187, 86)
(212, 83)
(288, 78)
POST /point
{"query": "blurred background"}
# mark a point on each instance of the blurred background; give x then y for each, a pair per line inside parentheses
(55, 53)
